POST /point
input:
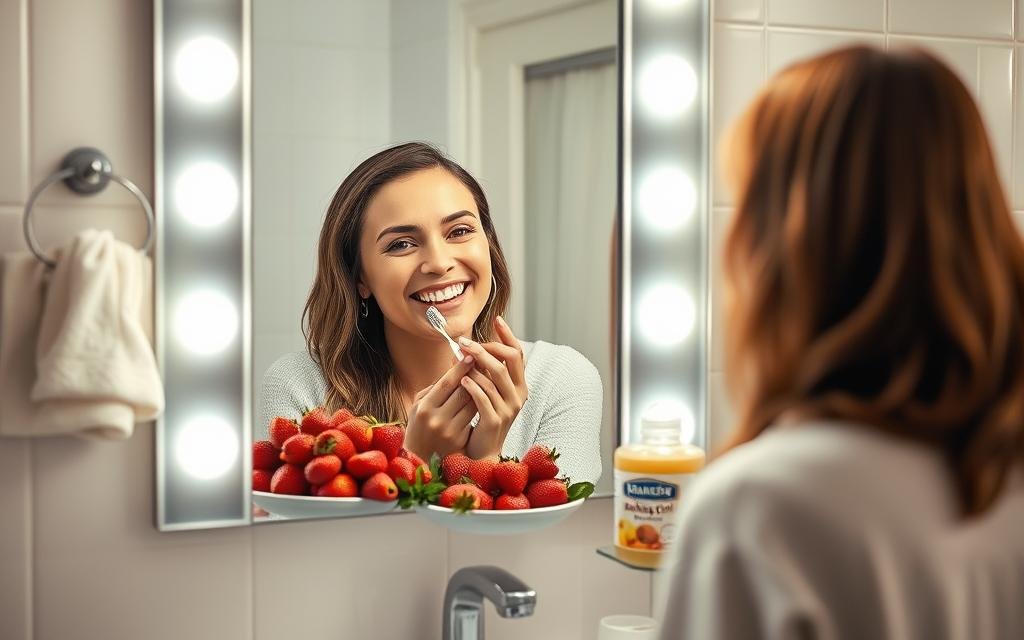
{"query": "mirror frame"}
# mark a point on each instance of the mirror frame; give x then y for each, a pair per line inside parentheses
(205, 482)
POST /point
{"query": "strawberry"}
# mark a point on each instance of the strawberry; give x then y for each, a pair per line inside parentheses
(541, 462)
(264, 455)
(298, 449)
(290, 480)
(322, 468)
(465, 497)
(379, 487)
(547, 493)
(261, 479)
(511, 475)
(315, 421)
(340, 486)
(454, 467)
(509, 502)
(388, 438)
(481, 472)
(336, 442)
(281, 429)
(402, 468)
(359, 432)
(340, 417)
(416, 462)
(363, 465)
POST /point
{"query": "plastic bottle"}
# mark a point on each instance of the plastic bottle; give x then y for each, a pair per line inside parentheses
(649, 480)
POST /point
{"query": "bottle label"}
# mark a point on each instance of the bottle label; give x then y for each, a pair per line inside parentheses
(646, 506)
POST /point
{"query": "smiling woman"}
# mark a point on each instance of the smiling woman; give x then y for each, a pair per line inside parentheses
(406, 230)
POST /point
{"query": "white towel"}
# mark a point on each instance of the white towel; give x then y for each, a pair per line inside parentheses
(91, 371)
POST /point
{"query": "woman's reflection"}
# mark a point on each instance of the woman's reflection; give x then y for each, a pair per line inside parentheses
(407, 229)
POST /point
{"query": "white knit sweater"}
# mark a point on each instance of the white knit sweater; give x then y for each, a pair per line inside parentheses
(563, 409)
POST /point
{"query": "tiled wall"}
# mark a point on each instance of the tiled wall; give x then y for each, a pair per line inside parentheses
(79, 556)
(751, 39)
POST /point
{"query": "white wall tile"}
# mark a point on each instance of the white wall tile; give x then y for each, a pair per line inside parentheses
(101, 568)
(987, 70)
(739, 10)
(415, 21)
(355, 23)
(92, 90)
(15, 537)
(721, 411)
(979, 18)
(737, 74)
(1016, 187)
(13, 102)
(377, 577)
(720, 219)
(866, 15)
(786, 47)
(420, 93)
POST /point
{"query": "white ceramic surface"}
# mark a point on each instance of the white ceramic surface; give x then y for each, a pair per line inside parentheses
(499, 522)
(284, 506)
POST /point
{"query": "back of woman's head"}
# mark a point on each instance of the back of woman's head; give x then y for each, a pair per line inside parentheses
(874, 273)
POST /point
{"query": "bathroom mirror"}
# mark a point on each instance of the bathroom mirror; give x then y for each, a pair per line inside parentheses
(528, 105)
(264, 106)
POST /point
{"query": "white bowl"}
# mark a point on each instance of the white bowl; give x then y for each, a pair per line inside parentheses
(498, 522)
(285, 506)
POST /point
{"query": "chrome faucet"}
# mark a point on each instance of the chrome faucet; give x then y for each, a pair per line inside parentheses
(464, 600)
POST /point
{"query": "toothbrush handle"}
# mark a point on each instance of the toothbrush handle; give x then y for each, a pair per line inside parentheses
(455, 347)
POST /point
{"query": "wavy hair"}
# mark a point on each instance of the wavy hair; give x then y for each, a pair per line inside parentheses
(873, 271)
(350, 350)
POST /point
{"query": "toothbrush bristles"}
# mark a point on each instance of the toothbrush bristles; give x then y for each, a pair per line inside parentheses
(435, 318)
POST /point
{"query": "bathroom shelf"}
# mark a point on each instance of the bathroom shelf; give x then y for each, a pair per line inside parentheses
(609, 552)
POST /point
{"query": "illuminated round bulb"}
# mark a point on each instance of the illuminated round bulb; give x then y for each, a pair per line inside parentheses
(667, 86)
(206, 448)
(206, 69)
(666, 315)
(667, 198)
(206, 322)
(206, 194)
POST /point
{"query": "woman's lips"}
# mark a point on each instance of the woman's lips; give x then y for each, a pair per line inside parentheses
(447, 304)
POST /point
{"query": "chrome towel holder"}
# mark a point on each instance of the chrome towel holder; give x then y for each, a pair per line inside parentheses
(84, 170)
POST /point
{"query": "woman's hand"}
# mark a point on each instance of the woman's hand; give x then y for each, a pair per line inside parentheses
(497, 386)
(440, 415)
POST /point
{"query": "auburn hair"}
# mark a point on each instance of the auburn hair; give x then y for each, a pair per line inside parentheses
(350, 349)
(873, 271)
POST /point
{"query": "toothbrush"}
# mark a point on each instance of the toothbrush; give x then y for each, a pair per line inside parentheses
(438, 321)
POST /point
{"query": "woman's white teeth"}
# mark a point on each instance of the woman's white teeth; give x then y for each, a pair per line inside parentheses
(443, 295)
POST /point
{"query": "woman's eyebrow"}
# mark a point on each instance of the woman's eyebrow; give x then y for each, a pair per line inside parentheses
(410, 228)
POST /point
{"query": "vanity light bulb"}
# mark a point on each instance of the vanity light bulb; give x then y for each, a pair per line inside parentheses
(206, 322)
(667, 86)
(667, 198)
(206, 448)
(666, 315)
(206, 194)
(206, 69)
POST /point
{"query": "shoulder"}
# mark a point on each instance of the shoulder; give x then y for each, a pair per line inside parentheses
(547, 362)
(292, 369)
(814, 475)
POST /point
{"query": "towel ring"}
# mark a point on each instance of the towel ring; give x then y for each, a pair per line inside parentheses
(84, 170)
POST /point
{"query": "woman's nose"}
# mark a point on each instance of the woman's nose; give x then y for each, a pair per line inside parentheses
(438, 258)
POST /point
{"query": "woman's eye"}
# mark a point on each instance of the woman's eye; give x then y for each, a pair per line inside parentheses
(458, 232)
(399, 245)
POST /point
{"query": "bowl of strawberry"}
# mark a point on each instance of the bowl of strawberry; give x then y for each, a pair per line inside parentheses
(332, 465)
(503, 496)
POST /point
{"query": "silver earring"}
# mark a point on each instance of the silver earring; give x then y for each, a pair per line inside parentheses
(364, 311)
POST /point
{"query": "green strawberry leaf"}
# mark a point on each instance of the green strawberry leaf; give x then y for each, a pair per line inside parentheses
(580, 490)
(403, 485)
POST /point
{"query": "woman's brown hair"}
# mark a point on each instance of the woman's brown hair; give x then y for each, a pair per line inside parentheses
(873, 271)
(350, 349)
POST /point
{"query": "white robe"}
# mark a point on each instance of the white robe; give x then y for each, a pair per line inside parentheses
(836, 531)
